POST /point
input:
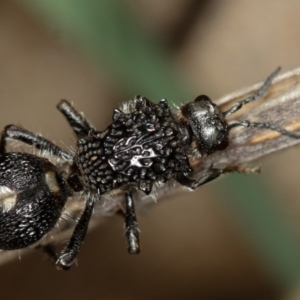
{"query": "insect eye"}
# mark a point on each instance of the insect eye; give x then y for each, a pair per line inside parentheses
(202, 98)
(203, 106)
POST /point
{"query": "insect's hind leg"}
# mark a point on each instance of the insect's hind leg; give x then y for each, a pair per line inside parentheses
(19, 134)
(68, 255)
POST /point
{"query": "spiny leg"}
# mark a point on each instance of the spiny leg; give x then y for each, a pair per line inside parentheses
(254, 97)
(68, 255)
(131, 225)
(78, 123)
(19, 134)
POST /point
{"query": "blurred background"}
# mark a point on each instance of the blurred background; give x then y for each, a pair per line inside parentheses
(237, 238)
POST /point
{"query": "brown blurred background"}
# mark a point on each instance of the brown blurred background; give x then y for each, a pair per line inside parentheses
(194, 246)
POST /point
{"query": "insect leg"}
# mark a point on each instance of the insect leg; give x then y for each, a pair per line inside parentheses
(131, 225)
(76, 120)
(212, 174)
(267, 125)
(68, 255)
(16, 133)
(192, 184)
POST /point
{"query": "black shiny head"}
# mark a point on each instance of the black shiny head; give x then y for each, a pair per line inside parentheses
(207, 123)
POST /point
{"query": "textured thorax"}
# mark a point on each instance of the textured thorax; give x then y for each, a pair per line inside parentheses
(143, 145)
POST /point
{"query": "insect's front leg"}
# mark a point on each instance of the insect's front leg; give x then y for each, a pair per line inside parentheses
(192, 184)
(210, 175)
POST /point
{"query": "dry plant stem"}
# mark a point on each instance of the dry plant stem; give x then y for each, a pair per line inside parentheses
(280, 105)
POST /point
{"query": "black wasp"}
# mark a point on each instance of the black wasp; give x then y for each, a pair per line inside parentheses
(145, 144)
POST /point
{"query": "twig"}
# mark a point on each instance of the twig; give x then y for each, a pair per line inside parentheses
(280, 105)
